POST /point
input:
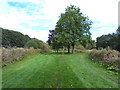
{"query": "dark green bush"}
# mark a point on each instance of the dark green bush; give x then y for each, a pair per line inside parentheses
(13, 38)
(38, 44)
(31, 43)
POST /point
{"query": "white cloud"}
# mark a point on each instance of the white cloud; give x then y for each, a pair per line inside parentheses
(40, 34)
(103, 13)
(102, 31)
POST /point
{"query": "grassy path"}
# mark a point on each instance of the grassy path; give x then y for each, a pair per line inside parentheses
(57, 71)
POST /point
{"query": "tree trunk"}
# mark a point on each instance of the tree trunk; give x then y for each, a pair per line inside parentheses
(68, 48)
(62, 51)
(72, 47)
(57, 50)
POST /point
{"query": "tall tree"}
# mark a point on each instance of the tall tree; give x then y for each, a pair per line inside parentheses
(73, 27)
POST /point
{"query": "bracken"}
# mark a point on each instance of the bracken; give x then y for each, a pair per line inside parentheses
(105, 57)
(12, 55)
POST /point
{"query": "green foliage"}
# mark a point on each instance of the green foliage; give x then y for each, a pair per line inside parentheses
(111, 68)
(90, 45)
(13, 38)
(111, 40)
(53, 41)
(38, 44)
(31, 43)
(79, 51)
(16, 39)
(80, 47)
(73, 27)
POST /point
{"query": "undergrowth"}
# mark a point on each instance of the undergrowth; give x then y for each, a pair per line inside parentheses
(106, 57)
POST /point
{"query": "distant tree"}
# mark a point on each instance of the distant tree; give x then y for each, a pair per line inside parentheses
(103, 41)
(91, 44)
(73, 27)
(111, 40)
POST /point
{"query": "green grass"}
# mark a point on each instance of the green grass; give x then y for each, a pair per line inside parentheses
(58, 71)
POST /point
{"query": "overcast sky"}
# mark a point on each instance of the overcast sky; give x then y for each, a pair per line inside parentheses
(36, 17)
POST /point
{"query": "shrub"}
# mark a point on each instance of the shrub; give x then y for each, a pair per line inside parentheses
(31, 43)
(79, 51)
(38, 44)
(10, 56)
(108, 58)
(80, 47)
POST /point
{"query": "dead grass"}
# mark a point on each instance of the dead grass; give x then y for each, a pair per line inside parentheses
(106, 57)
(12, 55)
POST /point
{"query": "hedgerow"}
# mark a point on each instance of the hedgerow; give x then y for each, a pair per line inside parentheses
(106, 57)
(12, 55)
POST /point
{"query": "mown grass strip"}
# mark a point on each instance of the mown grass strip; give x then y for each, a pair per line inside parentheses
(58, 71)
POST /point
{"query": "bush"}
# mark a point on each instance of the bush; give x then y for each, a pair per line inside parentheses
(80, 47)
(108, 58)
(10, 56)
(31, 43)
(79, 51)
(38, 44)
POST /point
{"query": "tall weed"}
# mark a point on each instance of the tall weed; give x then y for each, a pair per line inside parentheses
(107, 57)
(12, 55)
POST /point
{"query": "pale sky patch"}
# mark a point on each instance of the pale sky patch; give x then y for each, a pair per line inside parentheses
(36, 17)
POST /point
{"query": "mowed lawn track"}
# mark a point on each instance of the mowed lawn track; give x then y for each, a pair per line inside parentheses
(58, 71)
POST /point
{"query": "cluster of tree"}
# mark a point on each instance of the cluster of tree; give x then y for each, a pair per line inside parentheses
(16, 39)
(13, 38)
(71, 29)
(111, 40)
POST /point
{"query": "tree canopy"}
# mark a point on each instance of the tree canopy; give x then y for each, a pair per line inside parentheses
(73, 27)
(111, 40)
(13, 38)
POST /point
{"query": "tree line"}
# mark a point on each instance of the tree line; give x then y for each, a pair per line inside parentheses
(111, 40)
(12, 38)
